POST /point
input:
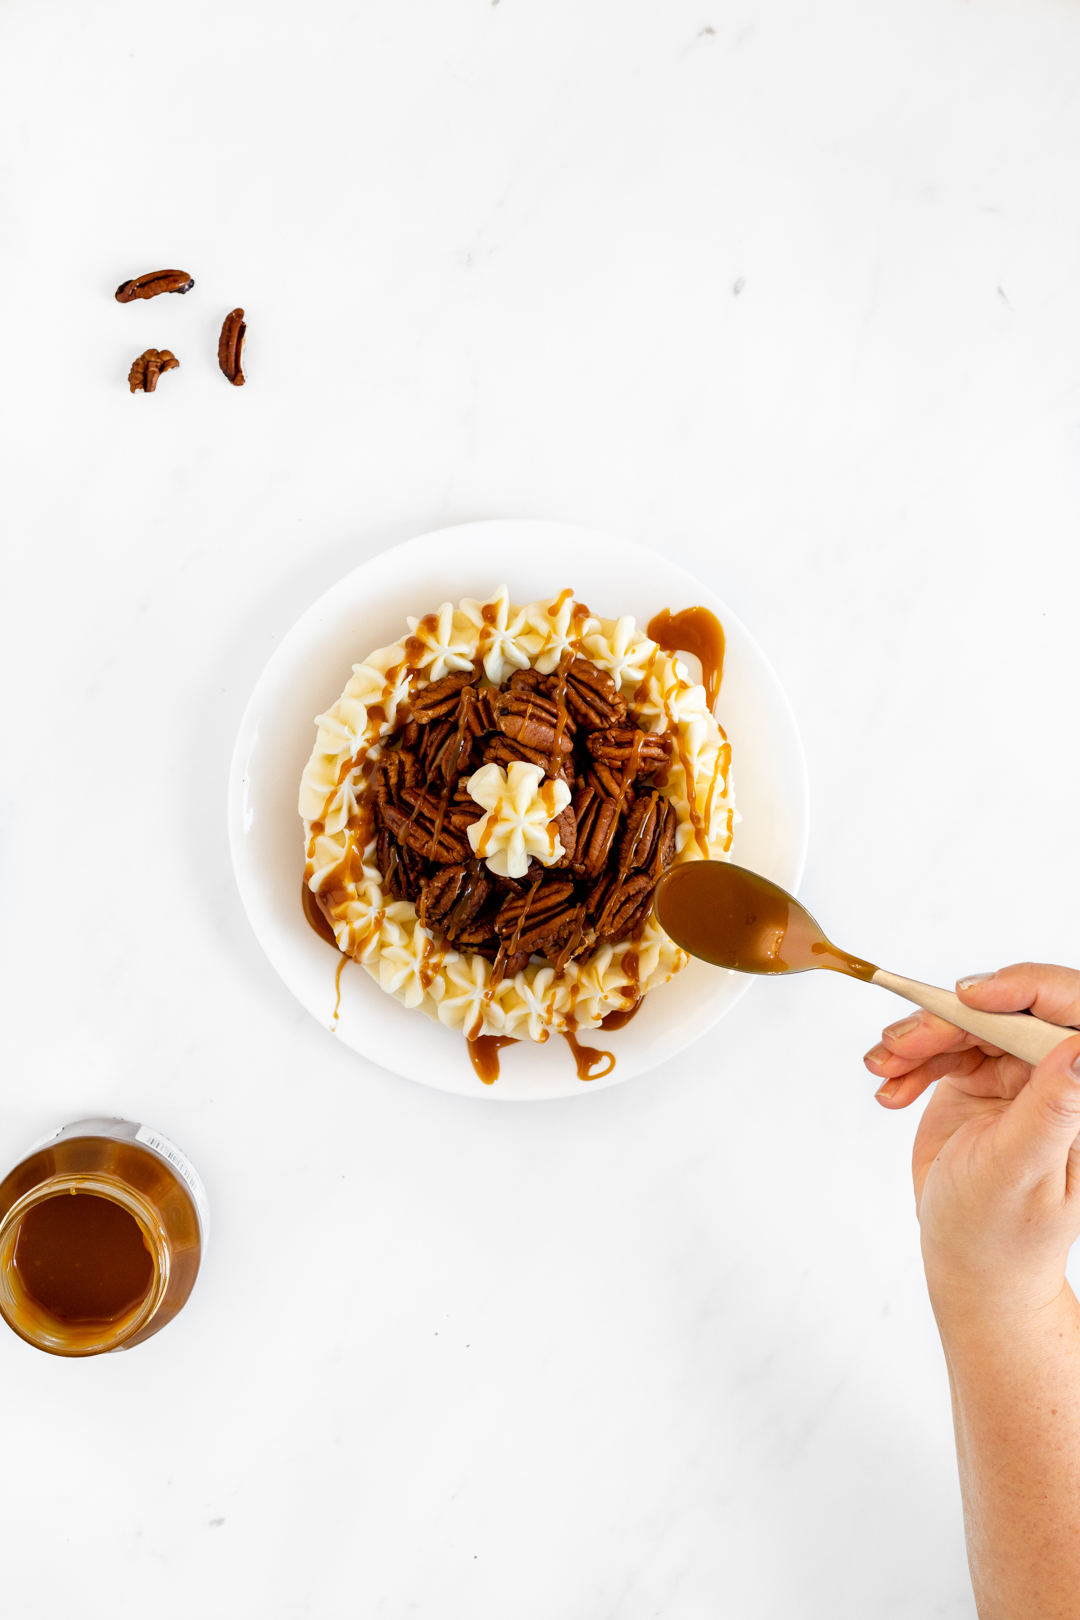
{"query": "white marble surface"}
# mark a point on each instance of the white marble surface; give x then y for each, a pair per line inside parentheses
(786, 291)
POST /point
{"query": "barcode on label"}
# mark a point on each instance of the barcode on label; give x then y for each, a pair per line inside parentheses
(183, 1167)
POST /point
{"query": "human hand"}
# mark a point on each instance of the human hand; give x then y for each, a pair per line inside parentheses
(996, 1162)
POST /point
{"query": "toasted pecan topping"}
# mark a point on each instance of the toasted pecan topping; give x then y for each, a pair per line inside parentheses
(621, 904)
(592, 696)
(649, 840)
(532, 719)
(441, 698)
(618, 833)
(597, 815)
(453, 900)
(153, 283)
(423, 825)
(526, 922)
(402, 868)
(499, 750)
(230, 346)
(146, 370)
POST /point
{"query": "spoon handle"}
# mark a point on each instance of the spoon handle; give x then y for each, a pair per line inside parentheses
(1019, 1033)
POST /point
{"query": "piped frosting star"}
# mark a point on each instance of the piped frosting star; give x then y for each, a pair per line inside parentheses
(437, 646)
(520, 819)
(499, 626)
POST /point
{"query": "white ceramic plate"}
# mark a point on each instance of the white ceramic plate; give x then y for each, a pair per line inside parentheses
(309, 670)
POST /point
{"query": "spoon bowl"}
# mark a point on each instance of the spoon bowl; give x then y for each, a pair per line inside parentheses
(737, 919)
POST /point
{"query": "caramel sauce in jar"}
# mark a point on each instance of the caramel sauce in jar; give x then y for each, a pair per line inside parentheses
(102, 1227)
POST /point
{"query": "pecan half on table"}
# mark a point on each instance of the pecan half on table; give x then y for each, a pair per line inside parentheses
(146, 370)
(230, 344)
(153, 283)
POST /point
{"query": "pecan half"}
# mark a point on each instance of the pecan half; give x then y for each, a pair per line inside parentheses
(153, 283)
(230, 344)
(527, 922)
(505, 750)
(533, 873)
(403, 870)
(622, 745)
(575, 936)
(395, 770)
(432, 744)
(531, 680)
(451, 902)
(426, 828)
(649, 839)
(463, 809)
(458, 755)
(532, 719)
(505, 966)
(592, 695)
(477, 701)
(566, 826)
(622, 754)
(146, 370)
(620, 905)
(440, 698)
(597, 816)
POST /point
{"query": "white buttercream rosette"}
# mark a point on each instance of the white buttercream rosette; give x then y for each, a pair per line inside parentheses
(384, 934)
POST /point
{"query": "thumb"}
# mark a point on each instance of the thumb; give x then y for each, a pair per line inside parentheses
(1043, 1122)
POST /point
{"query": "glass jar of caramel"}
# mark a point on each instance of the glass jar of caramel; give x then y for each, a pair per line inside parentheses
(102, 1227)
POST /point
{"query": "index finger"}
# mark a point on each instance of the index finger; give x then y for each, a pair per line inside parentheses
(1050, 991)
(923, 1035)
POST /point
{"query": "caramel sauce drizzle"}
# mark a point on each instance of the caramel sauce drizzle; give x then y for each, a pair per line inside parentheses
(316, 917)
(621, 1016)
(560, 704)
(484, 1052)
(696, 631)
(588, 1058)
(337, 984)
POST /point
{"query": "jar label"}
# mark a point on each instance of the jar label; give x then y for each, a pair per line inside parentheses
(183, 1167)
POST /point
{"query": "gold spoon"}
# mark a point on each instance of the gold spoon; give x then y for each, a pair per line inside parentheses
(736, 919)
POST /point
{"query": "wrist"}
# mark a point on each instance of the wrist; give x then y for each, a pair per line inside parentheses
(990, 1267)
(975, 1309)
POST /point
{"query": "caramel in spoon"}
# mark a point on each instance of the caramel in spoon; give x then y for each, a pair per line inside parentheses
(737, 919)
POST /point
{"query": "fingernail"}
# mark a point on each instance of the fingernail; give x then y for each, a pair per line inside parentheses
(905, 1026)
(1074, 1067)
(884, 1092)
(974, 978)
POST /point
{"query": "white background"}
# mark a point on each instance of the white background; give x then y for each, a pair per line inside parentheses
(787, 291)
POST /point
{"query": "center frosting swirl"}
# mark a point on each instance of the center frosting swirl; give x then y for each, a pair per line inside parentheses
(519, 819)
